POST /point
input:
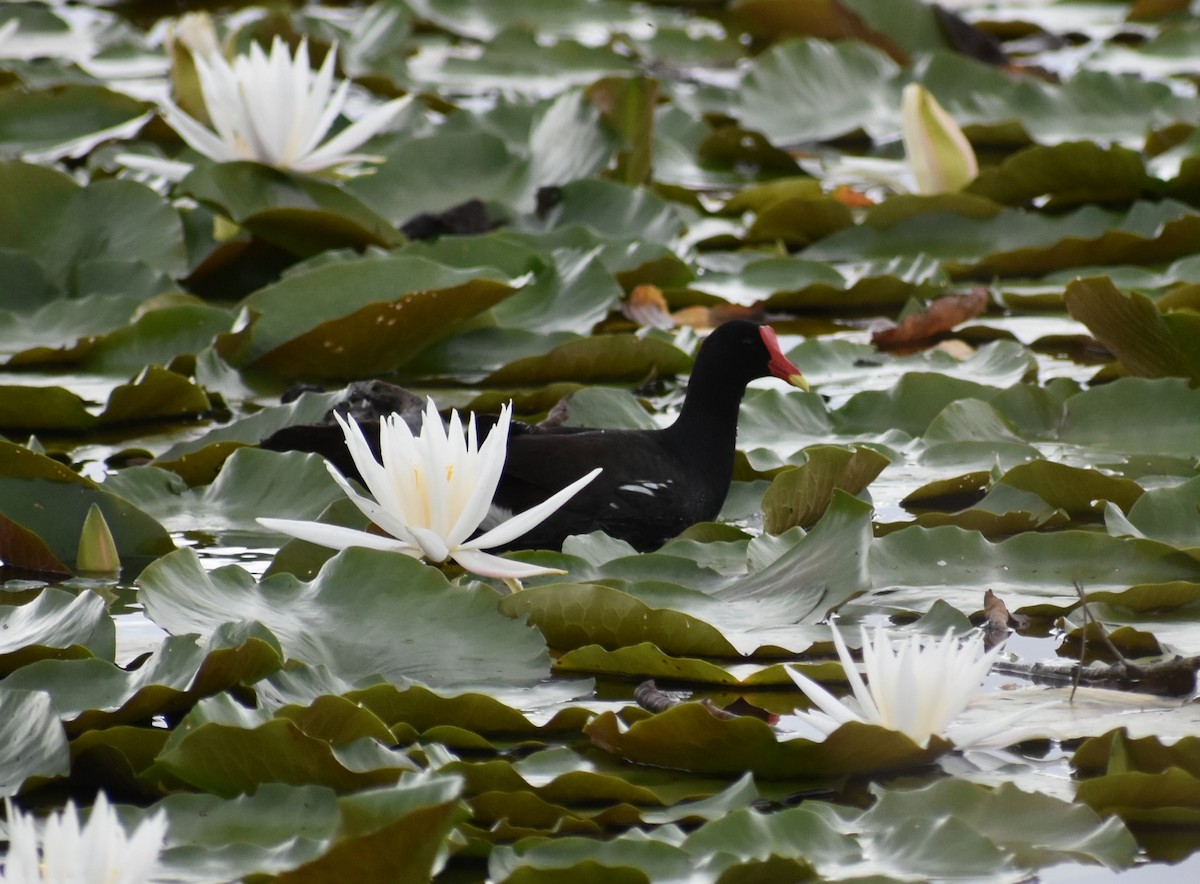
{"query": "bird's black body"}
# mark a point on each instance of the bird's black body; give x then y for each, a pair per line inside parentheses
(653, 484)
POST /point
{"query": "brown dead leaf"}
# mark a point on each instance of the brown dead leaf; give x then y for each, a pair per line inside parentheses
(647, 306)
(939, 317)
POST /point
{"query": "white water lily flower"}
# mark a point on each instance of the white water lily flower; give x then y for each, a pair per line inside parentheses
(65, 852)
(275, 110)
(939, 154)
(431, 492)
(916, 686)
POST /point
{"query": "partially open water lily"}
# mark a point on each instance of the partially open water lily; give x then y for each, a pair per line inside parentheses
(915, 685)
(939, 154)
(66, 852)
(272, 109)
(431, 493)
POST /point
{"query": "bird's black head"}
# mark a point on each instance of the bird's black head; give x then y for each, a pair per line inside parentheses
(742, 351)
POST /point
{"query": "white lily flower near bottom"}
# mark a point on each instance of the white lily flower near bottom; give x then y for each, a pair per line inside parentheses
(431, 493)
(916, 686)
(66, 852)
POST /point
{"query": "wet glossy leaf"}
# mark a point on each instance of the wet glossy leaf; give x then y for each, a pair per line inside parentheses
(811, 90)
(362, 317)
(1030, 571)
(301, 214)
(51, 501)
(63, 225)
(1131, 326)
(251, 483)
(436, 172)
(1070, 174)
(33, 743)
(95, 693)
(367, 615)
(55, 625)
(689, 737)
(800, 496)
(65, 121)
(1033, 829)
(597, 359)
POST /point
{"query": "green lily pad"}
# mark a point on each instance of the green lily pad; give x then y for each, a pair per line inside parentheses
(198, 460)
(63, 226)
(55, 625)
(367, 615)
(47, 499)
(390, 832)
(422, 710)
(800, 496)
(1030, 572)
(1140, 780)
(513, 61)
(596, 359)
(690, 737)
(578, 614)
(34, 744)
(611, 211)
(95, 693)
(224, 748)
(1158, 417)
(301, 214)
(436, 172)
(65, 121)
(812, 90)
(1034, 830)
(1131, 326)
(1072, 173)
(251, 483)
(362, 317)
(1169, 514)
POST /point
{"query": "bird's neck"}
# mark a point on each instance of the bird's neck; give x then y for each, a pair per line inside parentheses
(706, 429)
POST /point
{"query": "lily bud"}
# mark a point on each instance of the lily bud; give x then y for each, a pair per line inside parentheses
(97, 549)
(940, 156)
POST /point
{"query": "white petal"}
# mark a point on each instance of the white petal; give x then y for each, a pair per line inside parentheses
(339, 148)
(336, 536)
(198, 137)
(383, 518)
(524, 522)
(866, 701)
(171, 170)
(489, 464)
(830, 705)
(494, 566)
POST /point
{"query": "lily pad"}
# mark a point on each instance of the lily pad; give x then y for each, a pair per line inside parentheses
(1147, 343)
(65, 121)
(362, 317)
(800, 496)
(367, 615)
(34, 744)
(812, 90)
(52, 502)
(251, 483)
(95, 693)
(55, 625)
(257, 749)
(690, 737)
(301, 214)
